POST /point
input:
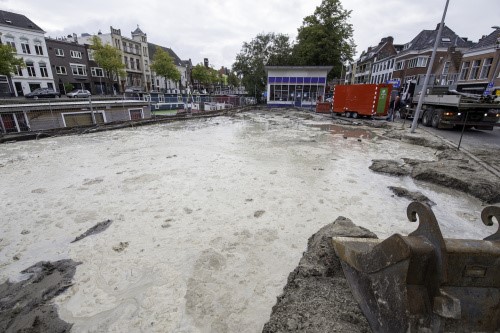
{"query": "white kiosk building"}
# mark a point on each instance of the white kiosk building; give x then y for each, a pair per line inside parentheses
(300, 86)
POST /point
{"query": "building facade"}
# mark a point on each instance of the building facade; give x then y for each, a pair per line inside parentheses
(479, 68)
(28, 40)
(299, 86)
(70, 64)
(164, 85)
(413, 60)
(134, 57)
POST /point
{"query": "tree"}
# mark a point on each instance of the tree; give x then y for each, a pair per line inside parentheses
(233, 80)
(325, 38)
(265, 49)
(9, 63)
(163, 65)
(204, 75)
(108, 58)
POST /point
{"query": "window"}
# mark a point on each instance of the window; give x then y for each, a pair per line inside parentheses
(90, 54)
(76, 54)
(446, 39)
(400, 65)
(132, 63)
(10, 41)
(446, 68)
(137, 50)
(25, 47)
(38, 48)
(131, 48)
(97, 72)
(417, 62)
(485, 70)
(19, 71)
(474, 71)
(465, 70)
(43, 69)
(30, 67)
(137, 64)
(144, 51)
(61, 70)
(126, 62)
(125, 48)
(79, 70)
(60, 52)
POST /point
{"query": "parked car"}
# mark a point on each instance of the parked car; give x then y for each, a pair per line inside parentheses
(78, 93)
(43, 93)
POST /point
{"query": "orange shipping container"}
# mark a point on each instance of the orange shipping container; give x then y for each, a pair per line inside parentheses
(361, 99)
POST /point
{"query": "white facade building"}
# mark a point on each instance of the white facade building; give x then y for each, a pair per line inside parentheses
(382, 70)
(169, 86)
(29, 42)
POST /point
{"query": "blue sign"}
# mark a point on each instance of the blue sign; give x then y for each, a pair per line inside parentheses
(490, 85)
(395, 83)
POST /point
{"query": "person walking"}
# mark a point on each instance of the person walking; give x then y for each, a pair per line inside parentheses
(396, 107)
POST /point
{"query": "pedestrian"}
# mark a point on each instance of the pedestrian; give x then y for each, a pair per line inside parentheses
(397, 106)
(391, 111)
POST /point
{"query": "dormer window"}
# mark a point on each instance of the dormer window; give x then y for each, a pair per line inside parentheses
(445, 39)
(407, 46)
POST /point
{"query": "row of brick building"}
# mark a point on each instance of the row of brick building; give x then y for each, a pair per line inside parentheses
(460, 63)
(59, 63)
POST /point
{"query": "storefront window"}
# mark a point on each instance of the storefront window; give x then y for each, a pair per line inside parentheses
(287, 89)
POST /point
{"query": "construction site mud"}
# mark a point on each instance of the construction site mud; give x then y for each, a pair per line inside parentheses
(211, 215)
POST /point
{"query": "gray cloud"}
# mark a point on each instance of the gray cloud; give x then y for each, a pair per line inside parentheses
(217, 28)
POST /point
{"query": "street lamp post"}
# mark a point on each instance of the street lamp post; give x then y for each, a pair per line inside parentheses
(429, 69)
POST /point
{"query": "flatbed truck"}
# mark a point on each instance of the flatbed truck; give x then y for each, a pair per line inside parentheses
(444, 107)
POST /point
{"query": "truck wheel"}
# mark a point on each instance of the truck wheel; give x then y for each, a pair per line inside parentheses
(347, 114)
(426, 118)
(354, 115)
(436, 119)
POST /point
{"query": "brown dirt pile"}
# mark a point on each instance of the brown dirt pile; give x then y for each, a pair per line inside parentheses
(317, 298)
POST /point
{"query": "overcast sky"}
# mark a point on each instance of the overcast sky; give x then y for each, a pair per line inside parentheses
(216, 29)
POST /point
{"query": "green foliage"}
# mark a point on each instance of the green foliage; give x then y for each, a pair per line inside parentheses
(325, 38)
(204, 75)
(265, 49)
(233, 80)
(108, 58)
(163, 65)
(8, 60)
(68, 87)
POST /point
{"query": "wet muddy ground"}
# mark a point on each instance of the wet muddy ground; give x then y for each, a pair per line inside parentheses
(209, 216)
